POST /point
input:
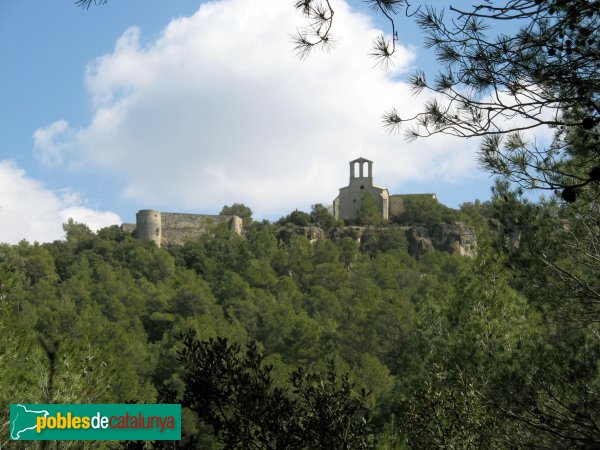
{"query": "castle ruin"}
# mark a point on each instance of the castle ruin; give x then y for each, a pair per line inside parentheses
(170, 229)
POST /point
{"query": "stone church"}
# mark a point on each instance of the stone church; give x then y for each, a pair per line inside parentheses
(347, 204)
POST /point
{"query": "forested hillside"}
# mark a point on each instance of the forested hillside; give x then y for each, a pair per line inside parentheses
(452, 352)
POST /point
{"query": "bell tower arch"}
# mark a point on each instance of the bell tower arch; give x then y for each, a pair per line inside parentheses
(361, 175)
(347, 204)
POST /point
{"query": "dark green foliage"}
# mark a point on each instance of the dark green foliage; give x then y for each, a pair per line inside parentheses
(348, 250)
(369, 212)
(477, 214)
(448, 412)
(297, 218)
(424, 210)
(430, 338)
(391, 238)
(234, 391)
(240, 210)
(261, 242)
(321, 217)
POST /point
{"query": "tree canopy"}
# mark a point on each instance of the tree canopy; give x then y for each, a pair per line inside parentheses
(240, 210)
(298, 342)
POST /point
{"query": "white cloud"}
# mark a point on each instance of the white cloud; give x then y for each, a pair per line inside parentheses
(218, 110)
(51, 144)
(30, 211)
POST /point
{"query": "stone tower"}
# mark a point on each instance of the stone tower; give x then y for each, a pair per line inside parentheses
(347, 204)
(148, 225)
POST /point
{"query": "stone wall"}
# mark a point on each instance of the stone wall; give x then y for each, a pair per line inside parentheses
(397, 202)
(350, 199)
(170, 229)
(128, 228)
(178, 228)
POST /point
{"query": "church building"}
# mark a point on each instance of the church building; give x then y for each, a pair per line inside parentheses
(347, 204)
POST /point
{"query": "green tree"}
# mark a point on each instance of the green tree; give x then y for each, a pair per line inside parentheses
(391, 238)
(448, 412)
(233, 390)
(422, 209)
(262, 242)
(240, 210)
(321, 217)
(78, 235)
(348, 250)
(298, 218)
(369, 212)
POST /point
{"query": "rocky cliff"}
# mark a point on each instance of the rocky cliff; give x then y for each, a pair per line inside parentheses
(454, 237)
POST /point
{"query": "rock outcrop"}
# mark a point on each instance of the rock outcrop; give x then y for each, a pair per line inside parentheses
(311, 233)
(453, 237)
(419, 242)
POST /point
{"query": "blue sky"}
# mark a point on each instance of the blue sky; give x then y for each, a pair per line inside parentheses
(197, 106)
